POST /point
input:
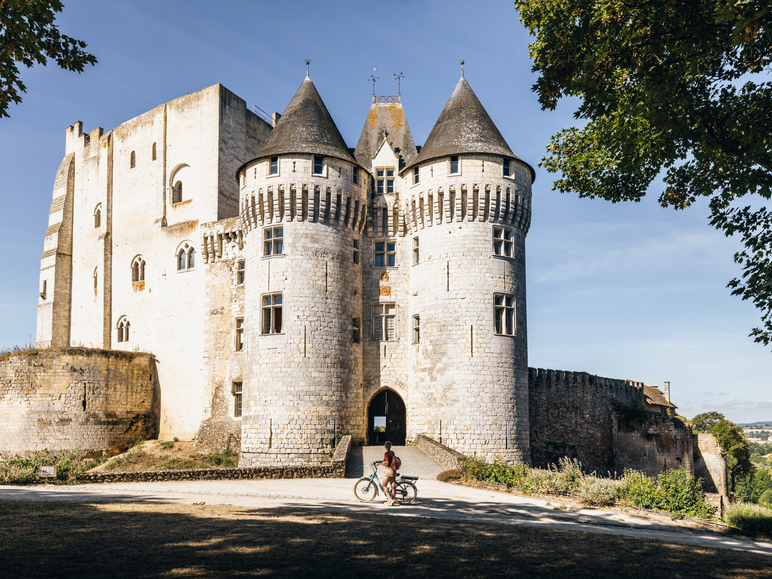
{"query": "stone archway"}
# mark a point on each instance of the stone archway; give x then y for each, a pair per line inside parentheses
(387, 412)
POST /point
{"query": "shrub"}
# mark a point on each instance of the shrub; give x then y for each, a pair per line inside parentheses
(449, 475)
(673, 490)
(598, 493)
(765, 500)
(25, 470)
(749, 517)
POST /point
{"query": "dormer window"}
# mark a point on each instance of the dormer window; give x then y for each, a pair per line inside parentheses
(384, 180)
(506, 168)
(318, 165)
(454, 166)
(274, 166)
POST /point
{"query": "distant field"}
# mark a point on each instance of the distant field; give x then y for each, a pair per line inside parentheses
(138, 540)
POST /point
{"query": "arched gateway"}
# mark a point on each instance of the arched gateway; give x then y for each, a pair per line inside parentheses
(386, 419)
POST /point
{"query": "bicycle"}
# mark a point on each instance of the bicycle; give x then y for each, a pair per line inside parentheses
(405, 491)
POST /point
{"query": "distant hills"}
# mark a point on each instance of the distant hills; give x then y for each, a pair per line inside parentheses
(762, 424)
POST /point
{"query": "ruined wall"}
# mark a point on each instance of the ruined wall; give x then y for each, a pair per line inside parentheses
(581, 416)
(710, 464)
(95, 400)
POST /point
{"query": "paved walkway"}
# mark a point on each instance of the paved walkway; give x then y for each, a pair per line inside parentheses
(435, 500)
(414, 462)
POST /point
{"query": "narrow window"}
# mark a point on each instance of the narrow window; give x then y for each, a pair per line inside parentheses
(502, 241)
(237, 399)
(272, 314)
(133, 159)
(274, 241)
(356, 251)
(506, 168)
(504, 314)
(384, 323)
(454, 164)
(416, 329)
(415, 250)
(191, 258)
(138, 269)
(385, 254)
(123, 329)
(181, 262)
(239, 342)
(274, 165)
(355, 328)
(379, 173)
(186, 258)
(355, 176)
(153, 154)
(177, 192)
(98, 216)
(96, 278)
(318, 165)
(416, 176)
(241, 272)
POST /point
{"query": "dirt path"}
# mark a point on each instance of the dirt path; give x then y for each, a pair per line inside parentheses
(436, 500)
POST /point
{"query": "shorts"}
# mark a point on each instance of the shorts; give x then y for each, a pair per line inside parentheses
(389, 472)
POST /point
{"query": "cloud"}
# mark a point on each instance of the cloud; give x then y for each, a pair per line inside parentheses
(736, 405)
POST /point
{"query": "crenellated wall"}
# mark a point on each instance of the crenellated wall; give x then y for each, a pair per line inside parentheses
(95, 400)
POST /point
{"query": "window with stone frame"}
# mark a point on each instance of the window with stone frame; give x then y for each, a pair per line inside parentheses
(123, 329)
(455, 165)
(356, 330)
(98, 215)
(416, 255)
(186, 257)
(355, 175)
(385, 253)
(384, 180)
(238, 342)
(133, 160)
(504, 314)
(503, 241)
(241, 271)
(138, 269)
(356, 252)
(318, 165)
(416, 329)
(273, 238)
(384, 322)
(274, 166)
(416, 175)
(153, 154)
(177, 192)
(506, 168)
(272, 313)
(237, 399)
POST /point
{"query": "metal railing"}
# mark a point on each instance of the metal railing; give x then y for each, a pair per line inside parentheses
(261, 113)
(386, 99)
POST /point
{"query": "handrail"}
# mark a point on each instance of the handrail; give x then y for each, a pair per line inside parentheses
(265, 115)
(387, 99)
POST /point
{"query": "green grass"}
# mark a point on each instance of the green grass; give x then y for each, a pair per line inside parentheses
(749, 517)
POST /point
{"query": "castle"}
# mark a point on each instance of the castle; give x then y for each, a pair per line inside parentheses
(287, 289)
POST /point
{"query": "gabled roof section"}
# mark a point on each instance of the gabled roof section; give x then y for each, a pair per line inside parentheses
(655, 396)
(386, 120)
(306, 127)
(464, 127)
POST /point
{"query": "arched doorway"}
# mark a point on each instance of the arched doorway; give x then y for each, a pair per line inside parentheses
(386, 419)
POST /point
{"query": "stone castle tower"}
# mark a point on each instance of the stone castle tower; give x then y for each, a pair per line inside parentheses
(292, 289)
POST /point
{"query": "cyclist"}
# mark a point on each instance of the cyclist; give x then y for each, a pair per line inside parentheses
(389, 475)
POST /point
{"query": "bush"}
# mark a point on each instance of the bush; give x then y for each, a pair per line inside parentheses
(25, 470)
(765, 500)
(673, 491)
(749, 517)
(598, 493)
(449, 475)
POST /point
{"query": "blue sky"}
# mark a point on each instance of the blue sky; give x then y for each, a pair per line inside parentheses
(625, 291)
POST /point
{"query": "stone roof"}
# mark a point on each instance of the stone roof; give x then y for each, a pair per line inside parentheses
(386, 120)
(306, 127)
(464, 127)
(654, 396)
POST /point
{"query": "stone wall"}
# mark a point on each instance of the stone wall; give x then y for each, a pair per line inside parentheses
(441, 454)
(585, 417)
(710, 464)
(97, 400)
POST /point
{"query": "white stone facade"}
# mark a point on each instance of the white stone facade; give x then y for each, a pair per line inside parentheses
(284, 379)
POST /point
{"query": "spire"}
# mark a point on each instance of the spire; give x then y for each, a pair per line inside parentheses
(306, 127)
(464, 127)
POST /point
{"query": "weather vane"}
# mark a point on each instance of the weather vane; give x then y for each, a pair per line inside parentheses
(399, 77)
(307, 63)
(374, 78)
(462, 68)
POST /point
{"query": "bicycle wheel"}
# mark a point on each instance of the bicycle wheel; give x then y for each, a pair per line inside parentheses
(406, 493)
(365, 490)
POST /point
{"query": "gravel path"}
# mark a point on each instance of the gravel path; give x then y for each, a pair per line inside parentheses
(414, 462)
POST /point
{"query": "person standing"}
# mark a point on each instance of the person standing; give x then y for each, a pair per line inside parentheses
(389, 475)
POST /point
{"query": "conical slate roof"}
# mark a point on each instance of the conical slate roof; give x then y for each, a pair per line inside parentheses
(386, 121)
(463, 127)
(306, 127)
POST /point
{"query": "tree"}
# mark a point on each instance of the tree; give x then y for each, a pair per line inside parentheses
(666, 86)
(706, 421)
(29, 36)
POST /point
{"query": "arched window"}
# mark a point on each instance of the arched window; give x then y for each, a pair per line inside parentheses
(138, 269)
(98, 215)
(96, 278)
(186, 257)
(123, 329)
(177, 192)
(133, 159)
(154, 156)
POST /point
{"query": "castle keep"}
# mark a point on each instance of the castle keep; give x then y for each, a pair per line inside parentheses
(291, 289)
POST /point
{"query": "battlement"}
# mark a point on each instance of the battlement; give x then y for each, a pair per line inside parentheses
(221, 238)
(623, 391)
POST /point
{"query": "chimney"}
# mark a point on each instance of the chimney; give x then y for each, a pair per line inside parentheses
(667, 391)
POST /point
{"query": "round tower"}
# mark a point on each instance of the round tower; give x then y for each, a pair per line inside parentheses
(467, 212)
(303, 207)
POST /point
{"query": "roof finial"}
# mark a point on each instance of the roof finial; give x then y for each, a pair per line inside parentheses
(308, 76)
(374, 78)
(399, 77)
(462, 68)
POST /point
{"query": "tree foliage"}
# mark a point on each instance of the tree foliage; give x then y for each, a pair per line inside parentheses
(734, 446)
(29, 36)
(667, 87)
(706, 421)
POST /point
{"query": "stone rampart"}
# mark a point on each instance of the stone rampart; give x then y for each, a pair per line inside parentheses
(97, 400)
(441, 454)
(710, 464)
